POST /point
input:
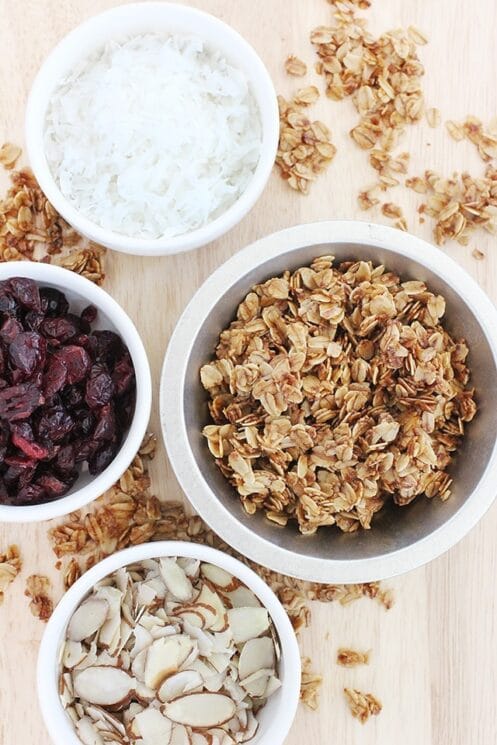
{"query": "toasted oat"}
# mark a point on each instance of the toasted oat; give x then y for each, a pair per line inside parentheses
(433, 117)
(37, 589)
(10, 566)
(417, 36)
(477, 254)
(310, 685)
(306, 96)
(362, 705)
(401, 224)
(455, 130)
(9, 155)
(352, 658)
(459, 205)
(367, 199)
(362, 4)
(324, 400)
(295, 66)
(305, 149)
(484, 140)
(389, 209)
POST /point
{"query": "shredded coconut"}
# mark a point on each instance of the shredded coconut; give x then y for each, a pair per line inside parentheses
(153, 136)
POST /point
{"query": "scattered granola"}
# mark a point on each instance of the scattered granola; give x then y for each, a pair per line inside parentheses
(362, 705)
(30, 228)
(455, 130)
(305, 149)
(383, 76)
(388, 166)
(362, 4)
(306, 96)
(477, 254)
(9, 155)
(310, 684)
(460, 204)
(485, 140)
(37, 589)
(10, 566)
(352, 658)
(295, 66)
(336, 390)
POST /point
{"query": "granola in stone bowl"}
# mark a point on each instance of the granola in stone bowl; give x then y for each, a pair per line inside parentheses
(337, 389)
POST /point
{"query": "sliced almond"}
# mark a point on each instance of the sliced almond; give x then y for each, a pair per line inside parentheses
(87, 732)
(201, 710)
(256, 683)
(105, 686)
(243, 597)
(255, 655)
(211, 599)
(87, 619)
(219, 577)
(164, 657)
(193, 615)
(153, 727)
(273, 685)
(179, 735)
(247, 623)
(74, 654)
(176, 580)
(109, 632)
(144, 694)
(183, 682)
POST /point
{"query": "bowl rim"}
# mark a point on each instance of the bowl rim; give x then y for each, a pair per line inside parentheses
(57, 722)
(186, 469)
(69, 281)
(261, 81)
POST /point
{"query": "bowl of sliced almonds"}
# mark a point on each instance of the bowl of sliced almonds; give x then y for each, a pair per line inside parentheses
(171, 643)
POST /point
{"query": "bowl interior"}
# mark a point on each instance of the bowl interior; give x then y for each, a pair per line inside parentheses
(129, 20)
(394, 527)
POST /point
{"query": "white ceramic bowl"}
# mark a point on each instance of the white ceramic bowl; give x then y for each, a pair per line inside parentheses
(277, 716)
(139, 18)
(400, 538)
(80, 292)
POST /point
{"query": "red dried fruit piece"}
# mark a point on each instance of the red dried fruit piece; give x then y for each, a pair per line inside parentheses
(89, 314)
(22, 438)
(53, 486)
(53, 302)
(123, 374)
(102, 458)
(54, 424)
(8, 304)
(18, 402)
(31, 494)
(27, 352)
(106, 424)
(10, 329)
(106, 346)
(99, 387)
(55, 377)
(76, 360)
(59, 330)
(26, 292)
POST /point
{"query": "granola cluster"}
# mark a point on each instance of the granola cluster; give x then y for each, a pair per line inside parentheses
(335, 390)
(10, 566)
(38, 591)
(362, 705)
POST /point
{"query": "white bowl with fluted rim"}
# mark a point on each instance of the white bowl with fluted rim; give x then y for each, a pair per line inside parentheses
(80, 292)
(136, 18)
(401, 538)
(275, 719)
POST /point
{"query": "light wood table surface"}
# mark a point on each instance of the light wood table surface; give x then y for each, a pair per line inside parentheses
(434, 658)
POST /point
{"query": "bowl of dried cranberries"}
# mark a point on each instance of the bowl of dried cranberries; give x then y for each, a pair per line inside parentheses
(75, 391)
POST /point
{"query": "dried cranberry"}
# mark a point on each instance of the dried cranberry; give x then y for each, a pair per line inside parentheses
(106, 424)
(26, 292)
(11, 328)
(73, 396)
(33, 320)
(19, 401)
(55, 377)
(106, 346)
(99, 387)
(102, 458)
(89, 314)
(54, 424)
(4, 438)
(59, 329)
(76, 361)
(85, 421)
(85, 449)
(31, 493)
(53, 302)
(53, 486)
(27, 352)
(123, 374)
(8, 303)
(23, 438)
(65, 461)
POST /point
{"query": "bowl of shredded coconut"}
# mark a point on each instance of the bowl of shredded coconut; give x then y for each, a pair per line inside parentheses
(152, 128)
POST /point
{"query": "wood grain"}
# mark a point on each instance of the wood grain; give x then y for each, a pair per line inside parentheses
(434, 657)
